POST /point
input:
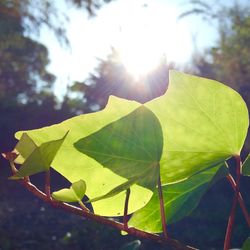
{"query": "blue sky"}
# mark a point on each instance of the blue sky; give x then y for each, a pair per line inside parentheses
(142, 34)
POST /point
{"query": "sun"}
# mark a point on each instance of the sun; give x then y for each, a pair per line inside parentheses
(149, 34)
(140, 55)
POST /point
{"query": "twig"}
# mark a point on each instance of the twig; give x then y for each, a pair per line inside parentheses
(174, 244)
(162, 210)
(47, 184)
(240, 199)
(231, 219)
(125, 215)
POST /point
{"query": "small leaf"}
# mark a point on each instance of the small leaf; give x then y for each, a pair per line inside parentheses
(40, 159)
(246, 245)
(180, 199)
(24, 148)
(73, 194)
(246, 166)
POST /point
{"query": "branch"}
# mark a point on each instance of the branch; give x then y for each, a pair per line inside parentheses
(240, 199)
(47, 184)
(174, 244)
(231, 219)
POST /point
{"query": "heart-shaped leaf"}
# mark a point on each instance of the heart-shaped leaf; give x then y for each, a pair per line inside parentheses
(180, 199)
(131, 147)
(73, 194)
(204, 123)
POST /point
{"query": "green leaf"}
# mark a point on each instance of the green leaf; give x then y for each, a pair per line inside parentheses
(246, 245)
(246, 166)
(73, 194)
(180, 199)
(24, 148)
(39, 159)
(75, 165)
(131, 147)
(124, 186)
(204, 123)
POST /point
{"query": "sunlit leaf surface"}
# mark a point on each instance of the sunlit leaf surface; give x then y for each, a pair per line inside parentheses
(40, 158)
(73, 194)
(204, 122)
(180, 199)
(131, 147)
(24, 148)
(75, 165)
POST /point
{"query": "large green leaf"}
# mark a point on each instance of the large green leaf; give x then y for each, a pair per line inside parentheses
(180, 199)
(75, 165)
(246, 166)
(204, 122)
(131, 147)
(40, 157)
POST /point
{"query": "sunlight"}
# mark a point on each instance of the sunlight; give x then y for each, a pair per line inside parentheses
(141, 55)
(142, 34)
(148, 35)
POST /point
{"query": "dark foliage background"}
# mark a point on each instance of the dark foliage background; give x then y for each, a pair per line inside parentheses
(27, 101)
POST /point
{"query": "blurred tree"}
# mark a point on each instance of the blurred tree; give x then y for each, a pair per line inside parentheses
(23, 61)
(112, 78)
(228, 61)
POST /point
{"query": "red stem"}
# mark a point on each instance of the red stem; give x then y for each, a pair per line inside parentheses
(240, 199)
(125, 215)
(47, 184)
(174, 244)
(231, 219)
(162, 210)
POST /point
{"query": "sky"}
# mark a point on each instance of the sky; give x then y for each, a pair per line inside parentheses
(143, 31)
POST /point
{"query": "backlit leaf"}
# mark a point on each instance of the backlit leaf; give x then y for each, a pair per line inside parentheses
(204, 122)
(180, 199)
(131, 147)
(39, 159)
(75, 165)
(24, 148)
(73, 194)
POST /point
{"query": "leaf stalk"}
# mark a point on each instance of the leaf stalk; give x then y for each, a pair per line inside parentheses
(162, 210)
(231, 219)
